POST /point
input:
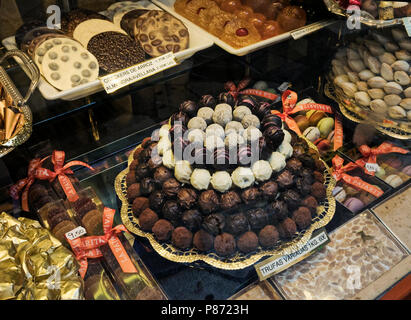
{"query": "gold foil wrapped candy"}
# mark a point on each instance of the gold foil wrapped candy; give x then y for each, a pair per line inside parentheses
(34, 265)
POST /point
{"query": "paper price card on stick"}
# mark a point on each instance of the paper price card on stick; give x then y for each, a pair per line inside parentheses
(276, 264)
(117, 80)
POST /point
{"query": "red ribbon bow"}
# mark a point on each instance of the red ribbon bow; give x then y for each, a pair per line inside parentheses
(26, 183)
(339, 173)
(235, 91)
(61, 171)
(370, 154)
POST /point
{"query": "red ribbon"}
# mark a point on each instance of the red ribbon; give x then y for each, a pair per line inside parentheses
(235, 91)
(60, 171)
(339, 173)
(26, 183)
(370, 154)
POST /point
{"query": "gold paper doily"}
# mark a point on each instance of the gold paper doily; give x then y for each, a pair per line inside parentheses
(325, 213)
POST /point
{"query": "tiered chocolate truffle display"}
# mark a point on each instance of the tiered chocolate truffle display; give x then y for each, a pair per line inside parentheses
(250, 182)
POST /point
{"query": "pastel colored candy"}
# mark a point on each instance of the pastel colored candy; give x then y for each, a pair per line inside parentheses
(393, 180)
(312, 133)
(339, 194)
(325, 125)
(407, 170)
(354, 204)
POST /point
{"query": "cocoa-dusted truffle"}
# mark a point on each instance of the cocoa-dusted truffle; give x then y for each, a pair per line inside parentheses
(186, 198)
(247, 242)
(192, 219)
(133, 165)
(142, 171)
(257, 218)
(268, 236)
(303, 186)
(131, 178)
(182, 238)
(208, 201)
(207, 101)
(302, 217)
(292, 199)
(307, 175)
(285, 180)
(147, 186)
(277, 211)
(229, 200)
(157, 200)
(318, 176)
(298, 151)
(147, 219)
(133, 192)
(224, 244)
(311, 203)
(171, 211)
(203, 241)
(155, 162)
(139, 204)
(293, 165)
(250, 195)
(162, 174)
(269, 190)
(136, 154)
(171, 187)
(236, 223)
(189, 107)
(307, 161)
(287, 228)
(162, 230)
(320, 165)
(145, 142)
(318, 190)
(214, 223)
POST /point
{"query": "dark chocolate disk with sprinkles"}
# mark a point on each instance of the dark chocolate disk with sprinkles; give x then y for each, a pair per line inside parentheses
(159, 32)
(128, 21)
(115, 51)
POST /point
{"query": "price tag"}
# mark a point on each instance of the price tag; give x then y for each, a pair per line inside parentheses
(407, 25)
(76, 233)
(117, 80)
(372, 167)
(274, 265)
(302, 32)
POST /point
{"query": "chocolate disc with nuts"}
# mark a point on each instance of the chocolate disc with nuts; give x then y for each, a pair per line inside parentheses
(115, 51)
(159, 33)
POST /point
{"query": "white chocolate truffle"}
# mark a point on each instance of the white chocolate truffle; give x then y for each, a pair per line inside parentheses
(250, 120)
(206, 113)
(240, 112)
(215, 130)
(164, 131)
(233, 140)
(221, 181)
(286, 149)
(223, 107)
(222, 117)
(200, 179)
(196, 135)
(183, 171)
(163, 145)
(197, 123)
(234, 126)
(168, 159)
(252, 134)
(262, 170)
(213, 142)
(277, 161)
(243, 177)
(287, 136)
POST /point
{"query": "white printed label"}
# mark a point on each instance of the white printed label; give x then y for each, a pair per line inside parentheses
(272, 266)
(407, 25)
(117, 80)
(75, 233)
(311, 28)
(372, 167)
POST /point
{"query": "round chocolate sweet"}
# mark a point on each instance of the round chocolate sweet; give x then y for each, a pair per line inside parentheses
(203, 241)
(162, 174)
(157, 200)
(139, 204)
(214, 223)
(155, 162)
(224, 244)
(269, 190)
(274, 137)
(293, 165)
(133, 165)
(307, 161)
(147, 219)
(236, 224)
(171, 211)
(272, 120)
(311, 203)
(133, 192)
(287, 228)
(162, 230)
(171, 187)
(277, 211)
(182, 238)
(292, 198)
(263, 110)
(207, 101)
(186, 198)
(147, 186)
(285, 180)
(268, 236)
(179, 117)
(230, 200)
(189, 107)
(257, 218)
(247, 242)
(302, 217)
(250, 195)
(318, 190)
(248, 101)
(209, 201)
(130, 178)
(303, 186)
(226, 97)
(177, 130)
(307, 175)
(142, 171)
(318, 176)
(192, 219)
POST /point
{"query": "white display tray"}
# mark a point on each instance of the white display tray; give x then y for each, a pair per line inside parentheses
(199, 40)
(168, 5)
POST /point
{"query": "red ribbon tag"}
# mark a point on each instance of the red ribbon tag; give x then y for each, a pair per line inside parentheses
(235, 91)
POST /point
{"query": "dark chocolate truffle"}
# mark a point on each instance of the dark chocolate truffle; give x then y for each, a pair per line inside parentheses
(250, 195)
(131, 178)
(182, 238)
(287, 228)
(147, 219)
(171, 187)
(133, 165)
(303, 186)
(230, 200)
(162, 230)
(277, 211)
(318, 190)
(157, 200)
(171, 211)
(298, 151)
(320, 165)
(192, 219)
(147, 186)
(155, 162)
(136, 154)
(311, 203)
(247, 242)
(274, 137)
(292, 199)
(269, 190)
(285, 180)
(139, 204)
(133, 192)
(302, 217)
(224, 244)
(214, 223)
(307, 161)
(226, 97)
(263, 110)
(208, 201)
(294, 165)
(257, 218)
(203, 241)
(186, 198)
(236, 223)
(318, 176)
(162, 174)
(307, 175)
(189, 107)
(207, 101)
(268, 236)
(180, 117)
(142, 171)
(272, 120)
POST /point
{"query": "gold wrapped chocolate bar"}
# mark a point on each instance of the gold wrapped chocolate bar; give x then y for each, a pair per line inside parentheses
(34, 264)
